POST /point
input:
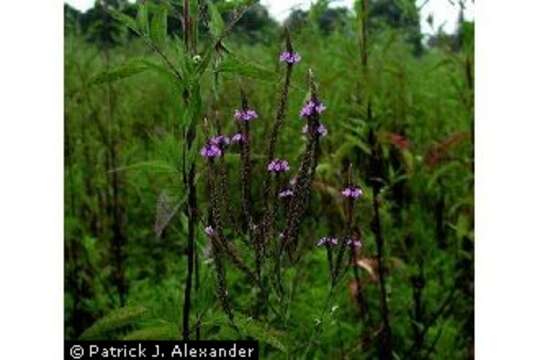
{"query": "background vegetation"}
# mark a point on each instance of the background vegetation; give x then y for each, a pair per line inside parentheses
(386, 86)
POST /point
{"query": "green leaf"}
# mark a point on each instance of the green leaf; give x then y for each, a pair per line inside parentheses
(216, 25)
(254, 329)
(124, 19)
(446, 168)
(260, 332)
(355, 140)
(158, 31)
(462, 226)
(235, 66)
(165, 73)
(142, 19)
(408, 158)
(120, 72)
(115, 320)
(166, 331)
(157, 166)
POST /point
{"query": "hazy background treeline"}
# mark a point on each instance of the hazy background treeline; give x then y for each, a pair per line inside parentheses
(96, 25)
(125, 238)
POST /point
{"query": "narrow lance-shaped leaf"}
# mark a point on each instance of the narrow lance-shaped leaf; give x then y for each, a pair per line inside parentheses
(166, 331)
(119, 72)
(115, 320)
(142, 19)
(124, 19)
(233, 65)
(207, 53)
(165, 73)
(158, 31)
(216, 21)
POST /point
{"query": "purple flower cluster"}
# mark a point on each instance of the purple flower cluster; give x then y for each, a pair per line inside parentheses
(285, 193)
(290, 57)
(354, 243)
(328, 241)
(352, 192)
(238, 138)
(216, 145)
(321, 129)
(312, 107)
(221, 141)
(211, 151)
(245, 115)
(278, 166)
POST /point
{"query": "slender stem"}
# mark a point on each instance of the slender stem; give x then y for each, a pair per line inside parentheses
(280, 115)
(119, 238)
(417, 283)
(187, 25)
(246, 177)
(437, 314)
(385, 345)
(192, 220)
(189, 182)
(364, 54)
(218, 242)
(319, 326)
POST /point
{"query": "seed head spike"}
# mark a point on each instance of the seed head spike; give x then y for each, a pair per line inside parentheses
(206, 127)
(288, 43)
(243, 99)
(312, 85)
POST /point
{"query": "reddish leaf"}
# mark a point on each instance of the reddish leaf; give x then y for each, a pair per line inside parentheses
(439, 152)
(398, 140)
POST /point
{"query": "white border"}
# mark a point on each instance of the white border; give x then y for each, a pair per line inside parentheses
(507, 185)
(31, 193)
(508, 180)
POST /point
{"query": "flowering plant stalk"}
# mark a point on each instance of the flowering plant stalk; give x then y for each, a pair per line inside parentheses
(217, 226)
(260, 229)
(376, 182)
(243, 116)
(302, 187)
(336, 265)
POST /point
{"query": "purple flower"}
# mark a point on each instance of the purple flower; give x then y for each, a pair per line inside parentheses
(211, 151)
(237, 138)
(321, 129)
(352, 192)
(221, 141)
(285, 193)
(278, 166)
(320, 107)
(290, 57)
(312, 107)
(307, 110)
(209, 230)
(355, 243)
(245, 115)
(328, 241)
